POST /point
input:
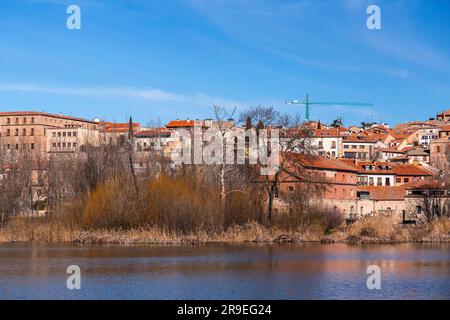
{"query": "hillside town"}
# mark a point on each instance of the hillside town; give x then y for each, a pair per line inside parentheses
(365, 170)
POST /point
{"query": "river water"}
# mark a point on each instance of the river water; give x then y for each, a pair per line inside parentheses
(225, 271)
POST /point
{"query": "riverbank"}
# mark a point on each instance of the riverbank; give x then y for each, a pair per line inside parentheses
(368, 230)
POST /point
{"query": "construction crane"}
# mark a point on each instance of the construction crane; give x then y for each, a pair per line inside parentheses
(308, 104)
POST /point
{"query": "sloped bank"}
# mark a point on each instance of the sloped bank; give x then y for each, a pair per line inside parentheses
(369, 230)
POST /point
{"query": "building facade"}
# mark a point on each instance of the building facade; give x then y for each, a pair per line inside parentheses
(27, 130)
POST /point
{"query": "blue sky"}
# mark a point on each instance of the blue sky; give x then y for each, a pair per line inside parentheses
(160, 60)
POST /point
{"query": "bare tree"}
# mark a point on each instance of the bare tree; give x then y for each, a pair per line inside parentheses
(222, 117)
(294, 139)
(266, 115)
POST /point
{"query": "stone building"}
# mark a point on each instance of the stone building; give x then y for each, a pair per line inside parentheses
(27, 130)
(440, 153)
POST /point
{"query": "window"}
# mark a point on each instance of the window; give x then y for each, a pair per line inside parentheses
(361, 146)
(438, 149)
(74, 144)
(354, 146)
(17, 120)
(69, 144)
(74, 133)
(363, 195)
(371, 183)
(406, 180)
(32, 132)
(69, 134)
(32, 120)
(291, 188)
(24, 132)
(333, 145)
(345, 146)
(320, 144)
(8, 121)
(8, 132)
(17, 132)
(24, 120)
(54, 145)
(379, 181)
(9, 146)
(398, 180)
(362, 181)
(64, 134)
(388, 181)
(17, 146)
(59, 134)
(418, 209)
(64, 144)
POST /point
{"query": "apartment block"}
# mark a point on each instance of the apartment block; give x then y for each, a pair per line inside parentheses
(328, 142)
(358, 147)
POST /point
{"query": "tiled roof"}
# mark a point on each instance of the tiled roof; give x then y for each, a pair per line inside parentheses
(389, 168)
(399, 134)
(317, 162)
(417, 152)
(154, 133)
(333, 132)
(427, 184)
(410, 170)
(359, 139)
(118, 127)
(45, 114)
(184, 123)
(384, 193)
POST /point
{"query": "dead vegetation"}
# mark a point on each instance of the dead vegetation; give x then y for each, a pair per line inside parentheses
(99, 196)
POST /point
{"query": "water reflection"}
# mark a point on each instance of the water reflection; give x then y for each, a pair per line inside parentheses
(225, 271)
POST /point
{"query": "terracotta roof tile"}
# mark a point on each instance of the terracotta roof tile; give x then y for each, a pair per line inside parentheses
(154, 132)
(184, 123)
(317, 162)
(384, 193)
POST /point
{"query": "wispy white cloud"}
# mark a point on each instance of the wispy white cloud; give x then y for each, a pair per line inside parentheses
(146, 94)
